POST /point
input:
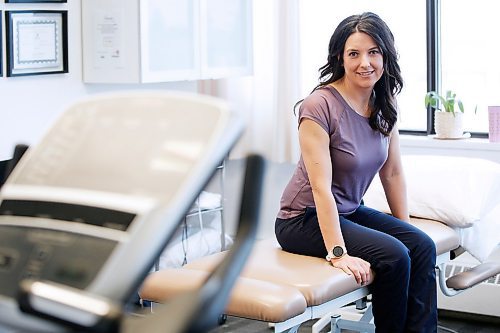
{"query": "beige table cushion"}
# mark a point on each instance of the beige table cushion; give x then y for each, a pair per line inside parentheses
(316, 279)
(250, 298)
(445, 238)
(269, 286)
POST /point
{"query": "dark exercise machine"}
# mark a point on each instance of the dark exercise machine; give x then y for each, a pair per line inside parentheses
(86, 212)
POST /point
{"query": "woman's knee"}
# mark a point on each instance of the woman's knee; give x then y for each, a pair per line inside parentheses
(396, 259)
(425, 245)
(424, 252)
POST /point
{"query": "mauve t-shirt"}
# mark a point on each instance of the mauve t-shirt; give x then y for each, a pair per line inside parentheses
(357, 152)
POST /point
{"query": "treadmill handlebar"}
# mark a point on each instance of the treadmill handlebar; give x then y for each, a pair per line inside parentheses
(69, 306)
(198, 310)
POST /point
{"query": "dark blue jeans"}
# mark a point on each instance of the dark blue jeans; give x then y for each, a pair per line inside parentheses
(402, 257)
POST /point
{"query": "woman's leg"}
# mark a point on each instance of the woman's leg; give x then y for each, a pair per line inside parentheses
(422, 303)
(301, 235)
(388, 257)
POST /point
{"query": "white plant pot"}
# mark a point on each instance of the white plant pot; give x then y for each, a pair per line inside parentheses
(448, 125)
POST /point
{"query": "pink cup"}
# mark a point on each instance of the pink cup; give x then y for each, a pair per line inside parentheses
(494, 123)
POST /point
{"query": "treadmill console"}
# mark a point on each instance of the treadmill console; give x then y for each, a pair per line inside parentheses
(51, 255)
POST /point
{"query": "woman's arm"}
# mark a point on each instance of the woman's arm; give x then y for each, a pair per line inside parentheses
(393, 180)
(314, 145)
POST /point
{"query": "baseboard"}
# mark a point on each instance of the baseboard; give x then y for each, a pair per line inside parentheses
(468, 316)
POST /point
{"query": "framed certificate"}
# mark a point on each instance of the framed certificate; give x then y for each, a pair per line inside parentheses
(37, 42)
(33, 1)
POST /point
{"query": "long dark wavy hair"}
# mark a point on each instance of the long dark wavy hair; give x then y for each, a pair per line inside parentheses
(384, 111)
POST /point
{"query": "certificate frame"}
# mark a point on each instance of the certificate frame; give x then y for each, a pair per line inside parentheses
(37, 42)
(34, 1)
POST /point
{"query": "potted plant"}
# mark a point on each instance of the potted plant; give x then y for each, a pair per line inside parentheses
(448, 119)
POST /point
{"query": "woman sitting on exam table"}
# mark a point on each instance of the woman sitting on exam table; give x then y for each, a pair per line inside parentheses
(347, 133)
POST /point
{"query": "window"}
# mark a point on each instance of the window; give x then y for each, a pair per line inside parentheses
(467, 47)
(318, 20)
(469, 57)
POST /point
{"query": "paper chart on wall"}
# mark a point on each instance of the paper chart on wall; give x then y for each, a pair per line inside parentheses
(108, 38)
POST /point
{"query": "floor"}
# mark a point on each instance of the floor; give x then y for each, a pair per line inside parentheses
(447, 324)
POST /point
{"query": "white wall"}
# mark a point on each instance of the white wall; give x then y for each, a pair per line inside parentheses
(28, 105)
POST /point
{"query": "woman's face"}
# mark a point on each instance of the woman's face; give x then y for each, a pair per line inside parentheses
(363, 61)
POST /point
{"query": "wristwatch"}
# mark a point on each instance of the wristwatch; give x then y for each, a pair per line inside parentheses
(337, 251)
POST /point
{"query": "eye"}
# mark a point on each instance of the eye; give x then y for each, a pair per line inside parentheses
(352, 54)
(375, 51)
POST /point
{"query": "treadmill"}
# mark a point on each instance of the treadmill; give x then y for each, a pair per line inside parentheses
(87, 211)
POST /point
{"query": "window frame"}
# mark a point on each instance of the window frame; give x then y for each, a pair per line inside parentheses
(433, 41)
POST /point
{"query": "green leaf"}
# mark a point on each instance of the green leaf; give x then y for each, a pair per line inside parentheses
(461, 106)
(444, 102)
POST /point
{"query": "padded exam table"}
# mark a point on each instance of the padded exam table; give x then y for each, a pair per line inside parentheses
(288, 289)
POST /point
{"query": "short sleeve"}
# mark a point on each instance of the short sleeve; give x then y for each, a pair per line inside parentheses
(317, 108)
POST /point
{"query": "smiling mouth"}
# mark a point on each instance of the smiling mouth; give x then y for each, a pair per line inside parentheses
(365, 73)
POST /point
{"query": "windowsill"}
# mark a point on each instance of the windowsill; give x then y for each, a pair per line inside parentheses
(475, 144)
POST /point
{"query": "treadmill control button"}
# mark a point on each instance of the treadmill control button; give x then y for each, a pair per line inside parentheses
(7, 259)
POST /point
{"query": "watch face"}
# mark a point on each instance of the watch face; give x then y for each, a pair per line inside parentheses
(338, 251)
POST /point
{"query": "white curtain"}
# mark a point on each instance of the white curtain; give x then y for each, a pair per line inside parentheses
(266, 99)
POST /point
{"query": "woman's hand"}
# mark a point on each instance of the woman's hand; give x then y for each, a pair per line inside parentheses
(354, 266)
